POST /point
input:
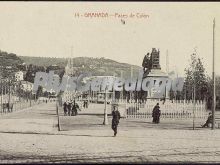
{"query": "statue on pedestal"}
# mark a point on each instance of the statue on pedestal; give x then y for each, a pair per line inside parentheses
(151, 61)
(147, 64)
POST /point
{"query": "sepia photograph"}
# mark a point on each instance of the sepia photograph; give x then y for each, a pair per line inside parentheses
(109, 82)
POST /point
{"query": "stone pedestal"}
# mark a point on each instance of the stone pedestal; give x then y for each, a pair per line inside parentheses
(156, 74)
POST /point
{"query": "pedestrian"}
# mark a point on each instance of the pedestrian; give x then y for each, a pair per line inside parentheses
(84, 104)
(75, 109)
(69, 107)
(208, 121)
(87, 103)
(155, 113)
(65, 108)
(115, 119)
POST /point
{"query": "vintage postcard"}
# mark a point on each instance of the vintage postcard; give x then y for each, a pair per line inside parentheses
(109, 82)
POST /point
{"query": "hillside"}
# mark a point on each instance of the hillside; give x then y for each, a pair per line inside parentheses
(9, 63)
(97, 66)
(43, 61)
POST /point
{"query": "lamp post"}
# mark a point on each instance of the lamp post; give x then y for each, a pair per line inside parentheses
(1, 95)
(213, 77)
(9, 93)
(122, 96)
(113, 90)
(194, 104)
(194, 95)
(1, 81)
(105, 122)
(131, 80)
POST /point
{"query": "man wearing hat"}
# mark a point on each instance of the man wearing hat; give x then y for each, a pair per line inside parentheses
(156, 113)
(115, 118)
(65, 108)
(208, 121)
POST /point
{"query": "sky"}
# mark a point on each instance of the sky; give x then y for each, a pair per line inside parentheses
(51, 29)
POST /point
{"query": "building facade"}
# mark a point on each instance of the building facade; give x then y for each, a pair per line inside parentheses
(26, 86)
(19, 76)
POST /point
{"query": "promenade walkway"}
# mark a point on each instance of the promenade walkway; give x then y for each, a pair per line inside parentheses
(31, 136)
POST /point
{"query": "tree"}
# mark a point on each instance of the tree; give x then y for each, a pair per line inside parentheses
(195, 77)
(218, 92)
(39, 92)
(218, 86)
(9, 64)
(32, 69)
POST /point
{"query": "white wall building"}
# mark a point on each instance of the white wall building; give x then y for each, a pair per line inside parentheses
(19, 76)
(26, 86)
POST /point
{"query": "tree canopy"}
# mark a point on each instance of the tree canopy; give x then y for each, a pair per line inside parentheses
(195, 78)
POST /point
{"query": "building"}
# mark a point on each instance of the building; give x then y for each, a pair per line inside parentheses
(70, 70)
(19, 76)
(99, 96)
(26, 86)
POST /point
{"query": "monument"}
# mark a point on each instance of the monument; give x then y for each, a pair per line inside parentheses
(72, 71)
(151, 67)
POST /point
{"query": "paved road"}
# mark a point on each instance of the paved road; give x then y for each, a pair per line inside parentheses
(36, 139)
(39, 118)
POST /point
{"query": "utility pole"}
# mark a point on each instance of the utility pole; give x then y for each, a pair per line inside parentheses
(1, 94)
(122, 89)
(194, 94)
(213, 77)
(9, 96)
(1, 82)
(194, 103)
(131, 80)
(113, 94)
(167, 70)
(71, 54)
(167, 62)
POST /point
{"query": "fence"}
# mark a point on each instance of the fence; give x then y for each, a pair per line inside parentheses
(16, 105)
(169, 109)
(181, 109)
(47, 100)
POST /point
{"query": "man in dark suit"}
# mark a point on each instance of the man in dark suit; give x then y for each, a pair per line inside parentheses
(65, 108)
(156, 113)
(115, 119)
(208, 121)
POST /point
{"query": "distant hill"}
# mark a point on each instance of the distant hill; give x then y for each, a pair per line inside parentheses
(43, 61)
(97, 66)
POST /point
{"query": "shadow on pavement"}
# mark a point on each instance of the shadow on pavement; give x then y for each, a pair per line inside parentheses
(57, 134)
(48, 114)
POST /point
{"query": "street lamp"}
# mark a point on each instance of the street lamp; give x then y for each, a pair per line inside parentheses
(105, 122)
(213, 77)
(194, 95)
(1, 95)
(1, 81)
